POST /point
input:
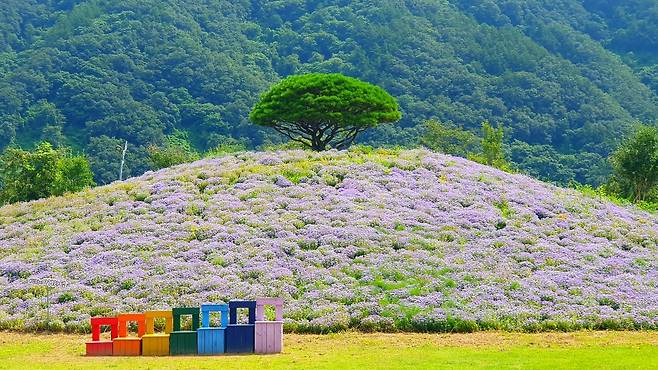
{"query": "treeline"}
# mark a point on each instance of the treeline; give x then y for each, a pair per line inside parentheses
(47, 171)
(566, 79)
(44, 172)
(634, 163)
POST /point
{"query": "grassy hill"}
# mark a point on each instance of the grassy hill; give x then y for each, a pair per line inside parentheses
(375, 240)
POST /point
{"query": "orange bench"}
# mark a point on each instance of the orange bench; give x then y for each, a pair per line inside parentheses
(124, 345)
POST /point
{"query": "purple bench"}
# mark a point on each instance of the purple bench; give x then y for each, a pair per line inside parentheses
(269, 334)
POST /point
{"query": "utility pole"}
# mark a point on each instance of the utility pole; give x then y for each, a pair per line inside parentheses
(123, 160)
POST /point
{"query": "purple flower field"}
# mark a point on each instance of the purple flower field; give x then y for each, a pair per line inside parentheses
(374, 240)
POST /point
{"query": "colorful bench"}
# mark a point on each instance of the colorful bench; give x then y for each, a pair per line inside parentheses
(269, 334)
(157, 344)
(124, 345)
(184, 342)
(211, 339)
(98, 347)
(257, 335)
(240, 337)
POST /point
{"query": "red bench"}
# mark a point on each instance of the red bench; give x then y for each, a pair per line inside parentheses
(98, 347)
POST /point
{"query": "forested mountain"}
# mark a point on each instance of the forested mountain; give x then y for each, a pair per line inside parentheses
(566, 78)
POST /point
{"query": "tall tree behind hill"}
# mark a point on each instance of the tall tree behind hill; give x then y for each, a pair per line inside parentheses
(635, 164)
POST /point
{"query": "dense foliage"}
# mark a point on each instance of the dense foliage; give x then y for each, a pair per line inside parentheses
(44, 172)
(636, 166)
(366, 239)
(492, 147)
(176, 150)
(566, 78)
(488, 149)
(448, 139)
(324, 110)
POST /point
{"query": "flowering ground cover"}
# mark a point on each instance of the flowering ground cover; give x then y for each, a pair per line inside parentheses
(377, 240)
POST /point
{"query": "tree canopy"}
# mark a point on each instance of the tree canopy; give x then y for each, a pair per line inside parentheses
(44, 172)
(449, 139)
(635, 164)
(321, 110)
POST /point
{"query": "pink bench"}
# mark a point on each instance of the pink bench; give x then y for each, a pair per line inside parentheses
(269, 334)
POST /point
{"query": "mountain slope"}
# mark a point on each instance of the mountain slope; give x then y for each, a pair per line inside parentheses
(565, 79)
(408, 240)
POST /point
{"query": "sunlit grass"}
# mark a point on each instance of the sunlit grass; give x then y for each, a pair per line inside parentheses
(484, 350)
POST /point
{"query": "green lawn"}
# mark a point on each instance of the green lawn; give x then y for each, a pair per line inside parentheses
(489, 350)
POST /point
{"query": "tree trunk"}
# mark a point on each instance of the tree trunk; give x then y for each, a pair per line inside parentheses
(123, 160)
(641, 189)
(318, 144)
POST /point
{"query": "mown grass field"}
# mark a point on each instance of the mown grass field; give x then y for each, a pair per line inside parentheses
(488, 350)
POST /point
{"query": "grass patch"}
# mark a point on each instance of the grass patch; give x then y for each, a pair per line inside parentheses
(487, 350)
